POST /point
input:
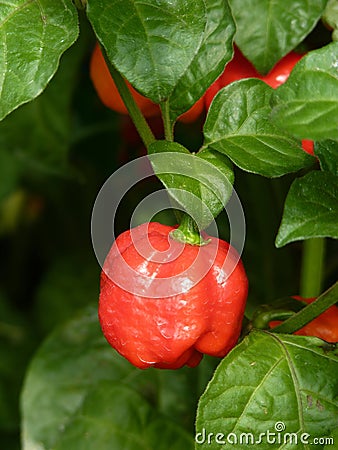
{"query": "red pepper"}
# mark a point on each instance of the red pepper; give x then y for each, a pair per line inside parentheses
(108, 92)
(281, 71)
(168, 331)
(239, 67)
(325, 326)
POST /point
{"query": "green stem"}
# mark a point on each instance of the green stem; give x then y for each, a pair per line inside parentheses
(188, 232)
(262, 320)
(168, 129)
(133, 109)
(310, 312)
(312, 267)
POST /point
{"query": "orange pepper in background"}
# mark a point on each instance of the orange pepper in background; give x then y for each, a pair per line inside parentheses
(110, 97)
(325, 326)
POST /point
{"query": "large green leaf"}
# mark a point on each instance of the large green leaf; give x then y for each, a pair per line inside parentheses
(330, 18)
(268, 392)
(207, 65)
(33, 36)
(238, 126)
(306, 105)
(199, 183)
(311, 209)
(76, 377)
(327, 152)
(268, 29)
(119, 418)
(38, 135)
(329, 441)
(151, 43)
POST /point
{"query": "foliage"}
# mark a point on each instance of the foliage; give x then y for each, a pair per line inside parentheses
(58, 144)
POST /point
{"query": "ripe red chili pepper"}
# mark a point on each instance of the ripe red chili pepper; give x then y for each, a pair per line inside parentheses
(168, 331)
(325, 326)
(239, 67)
(236, 69)
(281, 71)
(108, 92)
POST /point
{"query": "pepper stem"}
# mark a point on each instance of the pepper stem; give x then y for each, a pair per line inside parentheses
(188, 232)
(312, 267)
(262, 320)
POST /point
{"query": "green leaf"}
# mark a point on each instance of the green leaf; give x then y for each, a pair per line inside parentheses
(329, 442)
(306, 105)
(153, 43)
(238, 126)
(117, 417)
(267, 29)
(207, 65)
(311, 209)
(75, 377)
(33, 36)
(266, 384)
(38, 135)
(330, 17)
(327, 152)
(199, 183)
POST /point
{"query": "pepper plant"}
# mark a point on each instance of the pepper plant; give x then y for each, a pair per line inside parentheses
(271, 388)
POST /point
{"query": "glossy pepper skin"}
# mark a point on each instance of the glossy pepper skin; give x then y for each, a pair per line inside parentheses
(236, 69)
(173, 331)
(325, 326)
(239, 68)
(107, 91)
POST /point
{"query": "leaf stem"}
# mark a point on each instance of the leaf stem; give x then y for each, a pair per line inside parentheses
(312, 267)
(168, 128)
(309, 312)
(134, 111)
